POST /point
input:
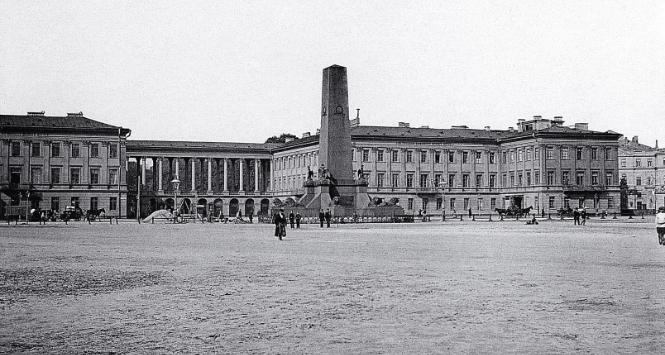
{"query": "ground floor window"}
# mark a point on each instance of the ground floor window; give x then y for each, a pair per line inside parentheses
(75, 201)
(439, 203)
(410, 204)
(466, 203)
(452, 203)
(480, 203)
(94, 203)
(551, 202)
(493, 203)
(425, 203)
(55, 203)
(610, 202)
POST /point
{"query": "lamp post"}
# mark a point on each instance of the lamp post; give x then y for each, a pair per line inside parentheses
(176, 186)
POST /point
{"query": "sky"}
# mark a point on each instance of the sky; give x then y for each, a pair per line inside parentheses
(247, 70)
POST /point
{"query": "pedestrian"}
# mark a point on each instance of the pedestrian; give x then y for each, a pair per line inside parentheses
(660, 225)
(576, 217)
(322, 217)
(328, 216)
(298, 218)
(470, 213)
(292, 219)
(583, 216)
(280, 224)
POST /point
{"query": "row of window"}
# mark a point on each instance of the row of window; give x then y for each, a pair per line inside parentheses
(296, 161)
(638, 162)
(74, 201)
(36, 149)
(36, 175)
(480, 203)
(408, 156)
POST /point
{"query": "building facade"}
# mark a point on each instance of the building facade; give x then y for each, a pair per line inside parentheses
(541, 164)
(642, 171)
(50, 162)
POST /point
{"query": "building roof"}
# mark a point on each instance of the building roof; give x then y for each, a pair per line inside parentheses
(76, 122)
(158, 145)
(627, 144)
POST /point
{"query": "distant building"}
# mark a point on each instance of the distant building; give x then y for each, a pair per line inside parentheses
(50, 162)
(642, 167)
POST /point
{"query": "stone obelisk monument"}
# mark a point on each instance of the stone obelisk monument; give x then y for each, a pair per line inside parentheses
(335, 134)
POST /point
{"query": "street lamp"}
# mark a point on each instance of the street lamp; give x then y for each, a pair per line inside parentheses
(176, 186)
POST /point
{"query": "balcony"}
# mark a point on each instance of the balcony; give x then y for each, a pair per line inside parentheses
(569, 187)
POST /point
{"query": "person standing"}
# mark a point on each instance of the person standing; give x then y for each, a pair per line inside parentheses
(660, 225)
(576, 217)
(583, 216)
(298, 218)
(321, 218)
(292, 219)
(328, 216)
(280, 224)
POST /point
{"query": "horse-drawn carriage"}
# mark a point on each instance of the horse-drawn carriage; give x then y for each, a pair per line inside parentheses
(514, 211)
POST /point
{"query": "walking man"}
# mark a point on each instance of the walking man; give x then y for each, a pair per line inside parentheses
(328, 216)
(576, 217)
(280, 224)
(321, 218)
(298, 218)
(292, 219)
(660, 225)
(583, 216)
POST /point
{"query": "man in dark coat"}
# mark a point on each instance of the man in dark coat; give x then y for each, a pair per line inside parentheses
(298, 218)
(328, 216)
(280, 224)
(322, 217)
(292, 219)
(576, 217)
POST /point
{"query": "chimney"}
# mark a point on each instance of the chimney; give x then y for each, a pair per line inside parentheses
(582, 126)
(635, 139)
(511, 129)
(487, 128)
(538, 117)
(656, 144)
(36, 113)
(404, 124)
(306, 134)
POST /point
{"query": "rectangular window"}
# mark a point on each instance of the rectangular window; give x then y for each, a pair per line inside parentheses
(465, 157)
(451, 180)
(94, 176)
(579, 178)
(594, 153)
(439, 203)
(423, 180)
(409, 180)
(395, 180)
(550, 178)
(528, 178)
(14, 175)
(465, 180)
(578, 153)
(512, 156)
(493, 203)
(395, 156)
(504, 180)
(379, 155)
(610, 202)
(437, 180)
(565, 177)
(409, 156)
(36, 149)
(528, 154)
(564, 153)
(535, 203)
(55, 149)
(638, 181)
(55, 203)
(452, 203)
(76, 150)
(16, 149)
(492, 180)
(520, 155)
(36, 175)
(608, 179)
(623, 163)
(594, 178)
(74, 201)
(409, 204)
(423, 156)
(520, 181)
(481, 203)
(437, 157)
(466, 203)
(536, 153)
(425, 202)
(512, 179)
(379, 179)
(504, 156)
(479, 157)
(566, 203)
(94, 203)
(479, 180)
(549, 153)
(536, 177)
(451, 157)
(113, 203)
(492, 158)
(551, 202)
(113, 150)
(608, 153)
(94, 150)
(638, 162)
(365, 155)
(75, 176)
(649, 163)
(55, 175)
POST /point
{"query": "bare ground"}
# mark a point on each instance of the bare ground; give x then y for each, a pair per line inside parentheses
(488, 287)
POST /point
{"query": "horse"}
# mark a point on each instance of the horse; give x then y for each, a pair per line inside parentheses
(92, 214)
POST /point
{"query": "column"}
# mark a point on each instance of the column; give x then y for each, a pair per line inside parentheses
(241, 163)
(226, 170)
(177, 171)
(272, 175)
(160, 187)
(193, 174)
(209, 176)
(256, 175)
(143, 161)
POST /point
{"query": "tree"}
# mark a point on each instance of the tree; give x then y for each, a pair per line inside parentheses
(281, 139)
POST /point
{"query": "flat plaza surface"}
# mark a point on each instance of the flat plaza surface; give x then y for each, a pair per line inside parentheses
(479, 287)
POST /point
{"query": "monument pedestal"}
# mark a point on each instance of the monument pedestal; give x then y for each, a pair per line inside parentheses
(323, 194)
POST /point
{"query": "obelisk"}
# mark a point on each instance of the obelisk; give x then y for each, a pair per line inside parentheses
(335, 135)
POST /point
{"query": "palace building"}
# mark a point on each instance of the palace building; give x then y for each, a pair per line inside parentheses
(50, 162)
(642, 173)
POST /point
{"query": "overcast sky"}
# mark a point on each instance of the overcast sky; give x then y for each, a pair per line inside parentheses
(247, 70)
